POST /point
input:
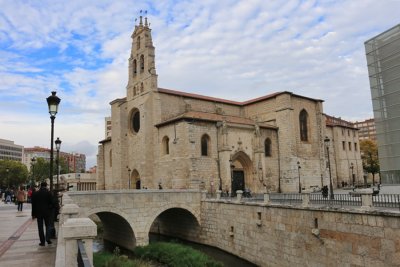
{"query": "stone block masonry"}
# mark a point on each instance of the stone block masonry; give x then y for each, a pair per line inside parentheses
(271, 235)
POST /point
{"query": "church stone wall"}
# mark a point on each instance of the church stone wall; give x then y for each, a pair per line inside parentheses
(171, 106)
(108, 181)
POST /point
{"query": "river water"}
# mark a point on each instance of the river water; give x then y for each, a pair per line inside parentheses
(229, 260)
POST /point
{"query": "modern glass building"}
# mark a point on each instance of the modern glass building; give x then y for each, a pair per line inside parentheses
(383, 59)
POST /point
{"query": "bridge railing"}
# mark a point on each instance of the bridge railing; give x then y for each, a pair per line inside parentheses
(82, 257)
(75, 237)
(361, 199)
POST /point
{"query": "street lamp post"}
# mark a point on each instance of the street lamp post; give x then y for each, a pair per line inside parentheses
(58, 146)
(327, 142)
(8, 179)
(298, 169)
(52, 102)
(352, 172)
(33, 160)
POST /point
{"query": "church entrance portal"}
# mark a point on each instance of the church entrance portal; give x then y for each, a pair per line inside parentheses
(241, 172)
(237, 181)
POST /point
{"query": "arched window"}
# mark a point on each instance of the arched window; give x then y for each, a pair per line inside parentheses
(165, 145)
(135, 121)
(205, 140)
(141, 63)
(141, 88)
(110, 154)
(138, 42)
(303, 121)
(134, 90)
(134, 67)
(267, 147)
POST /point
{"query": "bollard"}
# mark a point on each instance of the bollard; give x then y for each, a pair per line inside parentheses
(305, 197)
(266, 198)
(239, 194)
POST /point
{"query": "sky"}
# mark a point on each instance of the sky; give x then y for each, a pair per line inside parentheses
(236, 50)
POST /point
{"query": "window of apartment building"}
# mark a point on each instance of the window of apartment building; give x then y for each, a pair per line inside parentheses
(165, 145)
(205, 140)
(303, 121)
(355, 147)
(344, 145)
(267, 147)
(349, 146)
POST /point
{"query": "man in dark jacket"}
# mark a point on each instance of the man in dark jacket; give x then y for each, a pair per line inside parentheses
(42, 204)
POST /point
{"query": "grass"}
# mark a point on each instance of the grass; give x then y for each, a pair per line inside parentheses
(107, 259)
(175, 255)
(166, 254)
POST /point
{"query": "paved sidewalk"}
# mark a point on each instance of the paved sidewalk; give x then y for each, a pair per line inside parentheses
(19, 239)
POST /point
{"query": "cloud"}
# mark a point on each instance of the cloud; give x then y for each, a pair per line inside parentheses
(230, 49)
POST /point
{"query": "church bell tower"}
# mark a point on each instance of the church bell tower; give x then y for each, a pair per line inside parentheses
(142, 71)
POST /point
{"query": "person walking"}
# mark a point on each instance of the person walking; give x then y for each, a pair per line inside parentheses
(42, 205)
(30, 191)
(20, 198)
(7, 196)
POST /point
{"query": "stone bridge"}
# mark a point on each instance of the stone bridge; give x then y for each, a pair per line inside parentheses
(128, 216)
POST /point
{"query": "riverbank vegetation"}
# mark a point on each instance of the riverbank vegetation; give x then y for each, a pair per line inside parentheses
(156, 254)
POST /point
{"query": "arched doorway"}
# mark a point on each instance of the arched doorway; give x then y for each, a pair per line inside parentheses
(136, 178)
(241, 172)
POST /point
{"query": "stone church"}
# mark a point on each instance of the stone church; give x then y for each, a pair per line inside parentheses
(161, 138)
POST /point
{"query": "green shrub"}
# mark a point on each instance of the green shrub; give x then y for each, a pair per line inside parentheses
(175, 255)
(106, 259)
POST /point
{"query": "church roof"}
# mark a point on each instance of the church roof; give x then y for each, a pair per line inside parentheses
(213, 117)
(333, 121)
(231, 102)
(108, 139)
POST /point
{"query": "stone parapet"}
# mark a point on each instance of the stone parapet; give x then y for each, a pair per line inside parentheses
(68, 211)
(75, 229)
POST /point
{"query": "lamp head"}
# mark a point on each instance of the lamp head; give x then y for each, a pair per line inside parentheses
(52, 102)
(58, 144)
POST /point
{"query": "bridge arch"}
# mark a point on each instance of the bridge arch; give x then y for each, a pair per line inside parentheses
(116, 226)
(178, 220)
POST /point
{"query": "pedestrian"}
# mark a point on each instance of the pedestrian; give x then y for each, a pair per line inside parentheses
(7, 196)
(42, 205)
(20, 198)
(30, 191)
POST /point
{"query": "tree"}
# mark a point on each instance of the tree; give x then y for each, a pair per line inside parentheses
(41, 169)
(12, 173)
(369, 156)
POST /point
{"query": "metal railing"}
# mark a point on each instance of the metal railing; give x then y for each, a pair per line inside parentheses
(293, 198)
(318, 199)
(339, 200)
(386, 200)
(82, 258)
